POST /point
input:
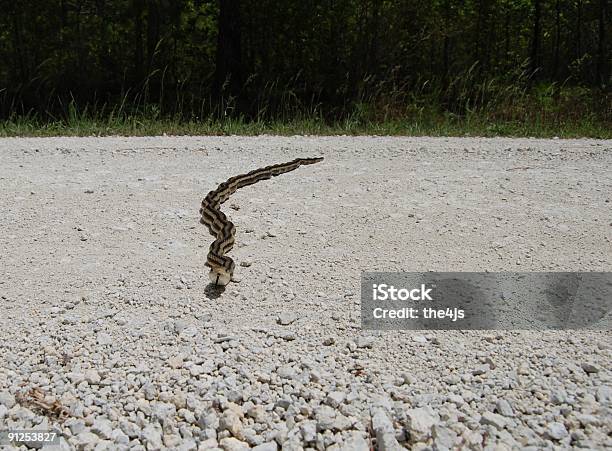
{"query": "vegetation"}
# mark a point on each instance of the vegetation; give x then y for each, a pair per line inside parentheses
(441, 67)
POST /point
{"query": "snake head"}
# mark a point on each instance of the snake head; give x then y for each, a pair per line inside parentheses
(219, 276)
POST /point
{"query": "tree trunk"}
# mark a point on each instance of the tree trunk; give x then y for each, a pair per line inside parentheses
(18, 47)
(152, 32)
(138, 50)
(579, 30)
(557, 39)
(602, 72)
(228, 70)
(535, 41)
(445, 47)
(373, 54)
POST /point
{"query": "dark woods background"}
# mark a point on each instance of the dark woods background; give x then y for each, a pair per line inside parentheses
(263, 59)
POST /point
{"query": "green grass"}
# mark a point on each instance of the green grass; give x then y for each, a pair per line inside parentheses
(442, 125)
(465, 106)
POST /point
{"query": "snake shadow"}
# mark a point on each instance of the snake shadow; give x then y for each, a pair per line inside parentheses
(213, 291)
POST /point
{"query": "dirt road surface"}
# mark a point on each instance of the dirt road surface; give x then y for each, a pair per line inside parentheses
(104, 303)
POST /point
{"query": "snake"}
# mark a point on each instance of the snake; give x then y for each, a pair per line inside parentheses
(221, 266)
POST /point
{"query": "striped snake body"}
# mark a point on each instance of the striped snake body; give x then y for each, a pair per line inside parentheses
(221, 266)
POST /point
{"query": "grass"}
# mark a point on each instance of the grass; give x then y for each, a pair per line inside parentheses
(441, 125)
(466, 106)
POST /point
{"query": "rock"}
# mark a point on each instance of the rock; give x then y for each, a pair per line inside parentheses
(86, 440)
(131, 429)
(3, 411)
(230, 421)
(335, 398)
(329, 341)
(175, 362)
(258, 413)
(179, 399)
(588, 420)
(62, 445)
(102, 427)
(325, 416)
(558, 397)
(149, 391)
(179, 326)
(6, 399)
(237, 409)
(292, 444)
(172, 440)
(493, 419)
(452, 379)
(364, 342)
(309, 431)
(419, 339)
(341, 423)
(233, 444)
(118, 436)
(283, 403)
(381, 421)
(286, 372)
(604, 394)
(208, 420)
(286, 318)
(92, 377)
(152, 438)
(504, 408)
(76, 378)
(456, 399)
(443, 437)
(523, 369)
(286, 335)
(268, 446)
(589, 368)
(189, 444)
(355, 442)
(556, 431)
(161, 411)
(419, 423)
(315, 375)
(480, 369)
(473, 439)
(104, 339)
(386, 441)
(588, 400)
(187, 415)
(385, 434)
(207, 444)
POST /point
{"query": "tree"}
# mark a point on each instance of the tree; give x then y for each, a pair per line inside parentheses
(229, 78)
(602, 52)
(535, 39)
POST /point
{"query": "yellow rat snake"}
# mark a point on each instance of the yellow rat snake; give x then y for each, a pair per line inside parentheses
(224, 231)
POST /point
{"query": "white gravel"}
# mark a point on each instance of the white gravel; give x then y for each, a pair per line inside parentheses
(104, 307)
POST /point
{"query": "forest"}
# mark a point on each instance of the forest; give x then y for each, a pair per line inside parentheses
(509, 65)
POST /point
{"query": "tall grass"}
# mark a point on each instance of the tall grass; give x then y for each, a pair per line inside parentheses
(468, 104)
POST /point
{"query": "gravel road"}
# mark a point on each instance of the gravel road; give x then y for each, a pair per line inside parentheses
(109, 334)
